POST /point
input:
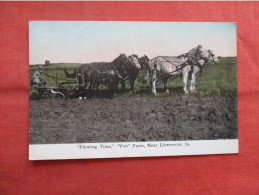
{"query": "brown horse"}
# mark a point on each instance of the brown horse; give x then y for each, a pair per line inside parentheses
(92, 75)
(128, 70)
(144, 62)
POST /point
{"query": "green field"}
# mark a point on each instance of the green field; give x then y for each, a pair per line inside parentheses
(215, 80)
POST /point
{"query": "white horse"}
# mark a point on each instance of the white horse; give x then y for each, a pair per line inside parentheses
(167, 66)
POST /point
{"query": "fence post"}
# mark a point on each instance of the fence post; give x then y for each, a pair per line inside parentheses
(56, 80)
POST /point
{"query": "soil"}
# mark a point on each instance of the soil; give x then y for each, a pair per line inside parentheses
(132, 119)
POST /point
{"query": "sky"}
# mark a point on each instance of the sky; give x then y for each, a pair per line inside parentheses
(86, 41)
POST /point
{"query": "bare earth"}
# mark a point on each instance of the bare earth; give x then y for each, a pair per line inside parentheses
(132, 119)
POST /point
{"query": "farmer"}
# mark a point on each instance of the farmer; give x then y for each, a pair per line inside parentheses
(38, 77)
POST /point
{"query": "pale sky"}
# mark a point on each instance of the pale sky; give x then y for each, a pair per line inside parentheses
(85, 41)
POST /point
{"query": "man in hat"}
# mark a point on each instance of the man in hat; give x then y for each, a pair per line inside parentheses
(38, 77)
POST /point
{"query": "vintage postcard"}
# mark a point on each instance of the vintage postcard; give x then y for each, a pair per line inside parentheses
(131, 89)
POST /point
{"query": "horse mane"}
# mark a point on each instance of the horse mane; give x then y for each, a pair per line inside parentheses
(211, 52)
(134, 55)
(145, 56)
(143, 61)
(117, 62)
(119, 58)
(194, 50)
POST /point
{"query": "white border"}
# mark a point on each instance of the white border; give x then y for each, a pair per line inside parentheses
(131, 0)
(130, 149)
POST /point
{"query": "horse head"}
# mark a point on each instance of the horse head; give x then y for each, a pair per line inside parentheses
(144, 60)
(120, 61)
(135, 55)
(202, 54)
(207, 56)
(199, 56)
(133, 60)
(213, 56)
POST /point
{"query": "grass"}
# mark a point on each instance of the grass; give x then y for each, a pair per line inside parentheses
(220, 79)
(54, 73)
(215, 80)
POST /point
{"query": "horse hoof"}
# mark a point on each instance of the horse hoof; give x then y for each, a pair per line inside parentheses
(186, 92)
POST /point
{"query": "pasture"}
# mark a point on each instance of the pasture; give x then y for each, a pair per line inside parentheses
(215, 80)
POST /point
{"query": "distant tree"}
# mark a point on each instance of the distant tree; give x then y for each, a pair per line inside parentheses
(47, 62)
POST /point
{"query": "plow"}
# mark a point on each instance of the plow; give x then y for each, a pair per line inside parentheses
(41, 91)
(64, 89)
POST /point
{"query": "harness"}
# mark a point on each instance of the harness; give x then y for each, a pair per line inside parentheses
(120, 75)
(192, 61)
(83, 79)
(144, 63)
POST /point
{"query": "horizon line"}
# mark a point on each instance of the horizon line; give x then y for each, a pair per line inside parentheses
(98, 62)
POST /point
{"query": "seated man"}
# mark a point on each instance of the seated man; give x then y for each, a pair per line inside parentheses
(38, 77)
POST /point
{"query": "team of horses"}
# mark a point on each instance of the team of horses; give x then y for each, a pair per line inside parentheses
(123, 68)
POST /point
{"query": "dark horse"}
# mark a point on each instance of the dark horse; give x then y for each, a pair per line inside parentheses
(128, 70)
(83, 78)
(144, 62)
(94, 74)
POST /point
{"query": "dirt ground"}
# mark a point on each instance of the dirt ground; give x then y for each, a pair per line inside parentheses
(132, 119)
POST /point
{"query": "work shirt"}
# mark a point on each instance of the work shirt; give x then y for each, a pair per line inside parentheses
(38, 78)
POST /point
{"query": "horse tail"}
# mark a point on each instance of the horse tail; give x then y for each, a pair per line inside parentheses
(73, 75)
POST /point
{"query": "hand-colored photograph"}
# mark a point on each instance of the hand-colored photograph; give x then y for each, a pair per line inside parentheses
(132, 82)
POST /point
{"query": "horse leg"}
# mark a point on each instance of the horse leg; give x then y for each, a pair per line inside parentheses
(90, 87)
(80, 92)
(185, 78)
(153, 83)
(193, 80)
(132, 86)
(97, 87)
(111, 88)
(84, 93)
(116, 87)
(114, 82)
(123, 86)
(165, 81)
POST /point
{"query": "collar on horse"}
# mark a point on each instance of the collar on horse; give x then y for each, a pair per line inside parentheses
(83, 80)
(192, 61)
(121, 75)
